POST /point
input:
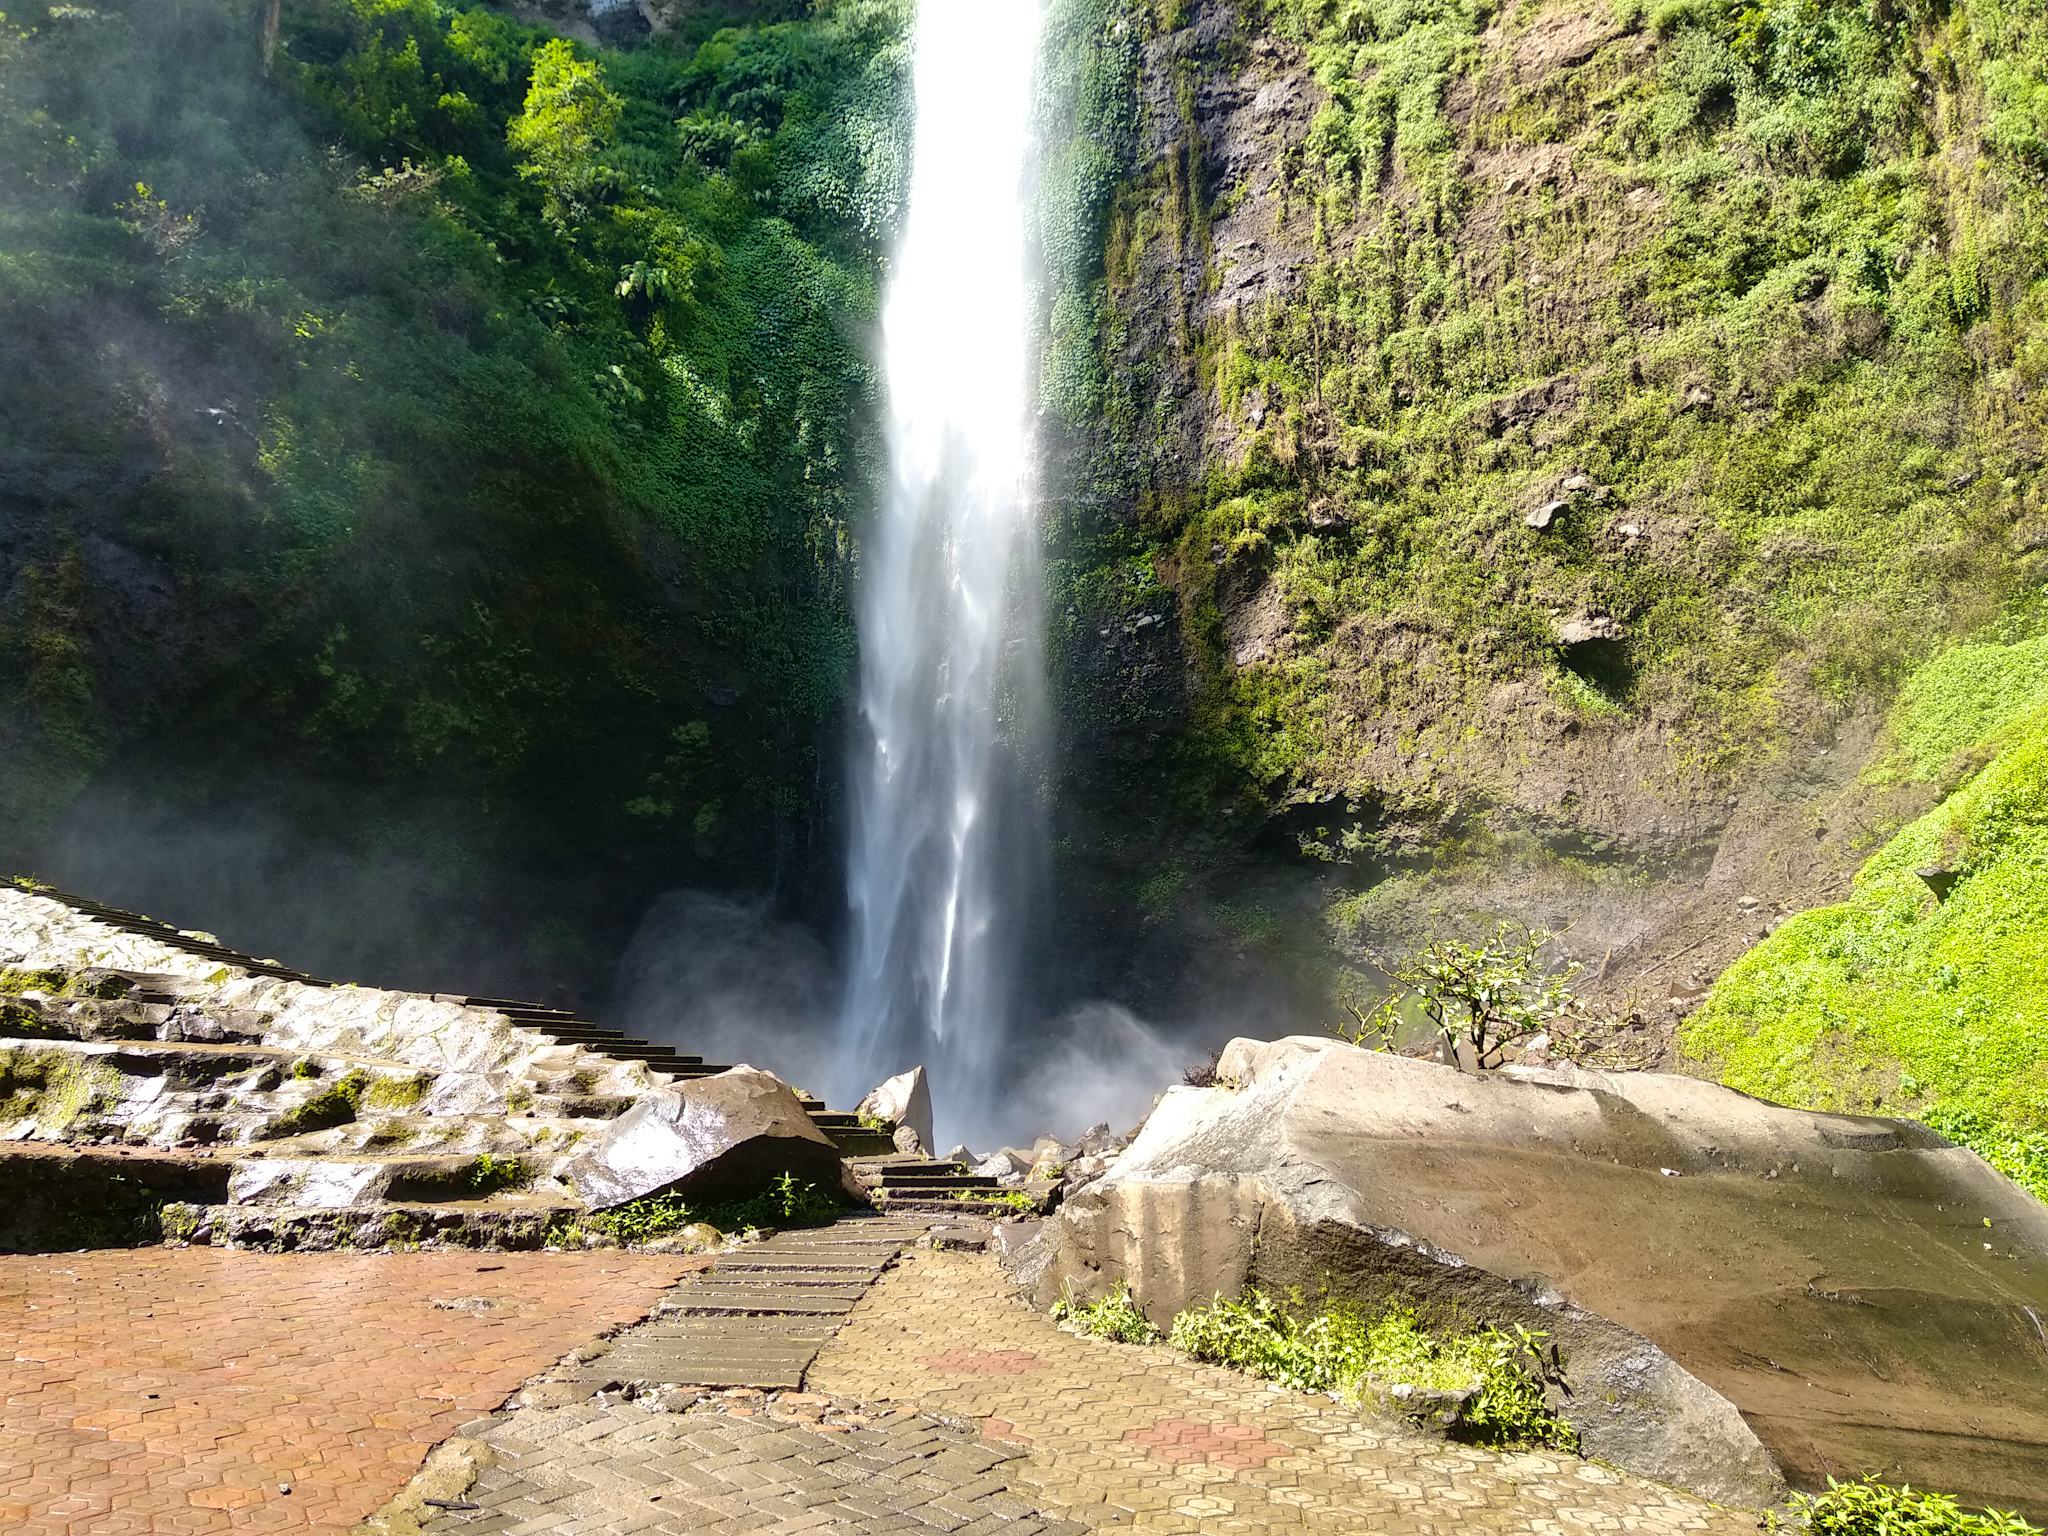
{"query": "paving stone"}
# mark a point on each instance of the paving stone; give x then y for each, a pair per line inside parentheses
(175, 1389)
(1120, 1436)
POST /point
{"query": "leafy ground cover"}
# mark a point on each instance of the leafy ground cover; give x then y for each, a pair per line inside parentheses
(1872, 1508)
(1388, 1357)
(1498, 1373)
(1900, 1001)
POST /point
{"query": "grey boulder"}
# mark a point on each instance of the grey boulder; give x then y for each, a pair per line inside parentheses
(1741, 1293)
(905, 1100)
(717, 1138)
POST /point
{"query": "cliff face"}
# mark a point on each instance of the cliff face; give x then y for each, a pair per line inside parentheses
(1533, 441)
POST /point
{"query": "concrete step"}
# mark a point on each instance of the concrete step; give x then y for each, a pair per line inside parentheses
(915, 1181)
(191, 943)
(972, 1204)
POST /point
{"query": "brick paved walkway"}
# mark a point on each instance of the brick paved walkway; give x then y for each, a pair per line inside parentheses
(1120, 1436)
(609, 1468)
(174, 1390)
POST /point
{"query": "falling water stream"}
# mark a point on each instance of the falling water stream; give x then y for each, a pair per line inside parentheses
(944, 843)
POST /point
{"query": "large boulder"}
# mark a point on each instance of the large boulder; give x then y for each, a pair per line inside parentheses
(905, 1101)
(1740, 1291)
(717, 1138)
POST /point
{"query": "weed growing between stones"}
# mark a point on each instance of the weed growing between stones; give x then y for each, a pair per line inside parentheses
(787, 1202)
(1872, 1508)
(1115, 1316)
(1015, 1199)
(1486, 1386)
(491, 1173)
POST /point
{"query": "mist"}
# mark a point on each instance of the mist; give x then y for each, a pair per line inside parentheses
(722, 977)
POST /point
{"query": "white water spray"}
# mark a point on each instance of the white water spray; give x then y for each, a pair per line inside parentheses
(944, 843)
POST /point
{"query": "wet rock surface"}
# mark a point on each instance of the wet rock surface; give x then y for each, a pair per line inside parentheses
(1738, 1290)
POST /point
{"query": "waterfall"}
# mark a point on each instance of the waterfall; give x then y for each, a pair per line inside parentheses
(945, 842)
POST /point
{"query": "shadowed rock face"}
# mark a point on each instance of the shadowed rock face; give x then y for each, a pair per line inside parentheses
(717, 1138)
(1738, 1288)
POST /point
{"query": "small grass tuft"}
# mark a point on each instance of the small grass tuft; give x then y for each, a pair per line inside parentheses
(1115, 1316)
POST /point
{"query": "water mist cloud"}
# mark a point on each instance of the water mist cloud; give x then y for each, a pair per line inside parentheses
(725, 979)
(1097, 1063)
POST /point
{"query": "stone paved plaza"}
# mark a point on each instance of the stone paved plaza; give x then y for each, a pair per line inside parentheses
(158, 1390)
(167, 1390)
(1131, 1436)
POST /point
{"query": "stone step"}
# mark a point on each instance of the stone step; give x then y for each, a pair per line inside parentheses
(545, 1135)
(204, 1059)
(392, 1178)
(892, 1180)
(149, 927)
(505, 1221)
(62, 1197)
(948, 1207)
(584, 1106)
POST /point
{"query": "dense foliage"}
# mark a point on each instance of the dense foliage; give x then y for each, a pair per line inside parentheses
(1115, 1317)
(1901, 1000)
(435, 402)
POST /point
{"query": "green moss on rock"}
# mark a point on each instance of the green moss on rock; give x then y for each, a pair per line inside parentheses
(1896, 1000)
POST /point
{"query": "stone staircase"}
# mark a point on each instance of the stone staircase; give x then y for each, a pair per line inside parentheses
(911, 1185)
(294, 1129)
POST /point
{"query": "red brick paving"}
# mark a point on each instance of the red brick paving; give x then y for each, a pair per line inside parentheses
(168, 1390)
(984, 1362)
(1178, 1442)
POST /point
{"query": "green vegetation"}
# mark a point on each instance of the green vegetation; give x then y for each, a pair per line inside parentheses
(1872, 1508)
(1501, 1373)
(1087, 120)
(15, 982)
(119, 1213)
(491, 1173)
(514, 400)
(1115, 1317)
(54, 1088)
(1897, 1000)
(1743, 300)
(395, 1092)
(1475, 996)
(786, 1202)
(336, 1104)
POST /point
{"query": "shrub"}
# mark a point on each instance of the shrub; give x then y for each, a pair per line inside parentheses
(1872, 1508)
(1475, 995)
(787, 1202)
(1344, 1353)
